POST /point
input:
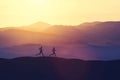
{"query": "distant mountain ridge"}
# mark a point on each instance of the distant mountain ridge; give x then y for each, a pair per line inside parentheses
(102, 33)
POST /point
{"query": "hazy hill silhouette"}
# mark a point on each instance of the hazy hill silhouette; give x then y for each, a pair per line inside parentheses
(36, 27)
(96, 33)
(53, 68)
(11, 37)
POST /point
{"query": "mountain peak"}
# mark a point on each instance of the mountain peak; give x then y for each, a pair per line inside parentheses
(37, 27)
(40, 23)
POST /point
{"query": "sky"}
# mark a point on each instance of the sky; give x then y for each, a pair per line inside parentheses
(66, 12)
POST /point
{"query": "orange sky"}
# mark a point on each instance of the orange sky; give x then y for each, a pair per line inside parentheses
(70, 12)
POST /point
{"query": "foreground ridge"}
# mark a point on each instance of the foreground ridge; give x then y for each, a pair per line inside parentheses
(54, 68)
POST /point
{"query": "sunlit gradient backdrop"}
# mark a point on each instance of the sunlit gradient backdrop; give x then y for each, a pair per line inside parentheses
(70, 12)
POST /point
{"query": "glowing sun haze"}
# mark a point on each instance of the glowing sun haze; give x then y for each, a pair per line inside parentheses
(24, 12)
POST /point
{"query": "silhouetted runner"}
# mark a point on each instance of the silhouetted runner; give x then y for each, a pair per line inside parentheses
(53, 52)
(41, 52)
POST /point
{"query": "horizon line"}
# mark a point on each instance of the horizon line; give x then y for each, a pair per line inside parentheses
(87, 22)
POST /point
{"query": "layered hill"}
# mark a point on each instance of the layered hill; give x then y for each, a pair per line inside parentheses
(96, 33)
